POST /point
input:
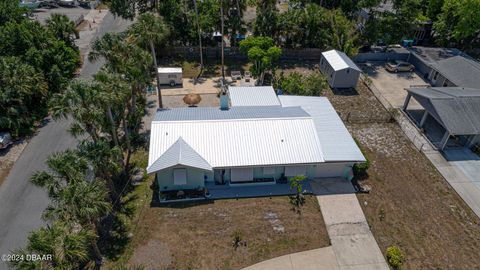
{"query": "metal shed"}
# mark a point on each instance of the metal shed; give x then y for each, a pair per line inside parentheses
(170, 75)
(340, 70)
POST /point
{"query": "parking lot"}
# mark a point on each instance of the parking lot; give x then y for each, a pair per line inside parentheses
(392, 85)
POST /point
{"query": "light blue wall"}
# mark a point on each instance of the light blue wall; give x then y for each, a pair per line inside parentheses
(195, 179)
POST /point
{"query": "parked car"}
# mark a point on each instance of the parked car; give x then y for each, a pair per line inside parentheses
(398, 65)
(236, 75)
(378, 49)
(5, 139)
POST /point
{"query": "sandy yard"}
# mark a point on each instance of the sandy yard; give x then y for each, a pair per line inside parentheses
(200, 236)
(410, 205)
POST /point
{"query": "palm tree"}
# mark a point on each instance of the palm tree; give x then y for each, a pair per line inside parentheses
(80, 101)
(63, 28)
(75, 200)
(68, 246)
(150, 30)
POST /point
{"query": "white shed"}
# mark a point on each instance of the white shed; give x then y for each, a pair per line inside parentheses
(170, 76)
(340, 70)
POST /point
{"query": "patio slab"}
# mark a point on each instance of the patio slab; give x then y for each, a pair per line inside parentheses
(251, 191)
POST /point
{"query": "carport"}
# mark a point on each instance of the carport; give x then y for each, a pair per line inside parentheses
(449, 115)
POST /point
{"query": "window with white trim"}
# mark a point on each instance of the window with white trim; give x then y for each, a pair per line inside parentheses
(180, 177)
(241, 174)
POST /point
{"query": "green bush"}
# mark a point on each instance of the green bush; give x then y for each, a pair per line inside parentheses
(395, 257)
(361, 168)
(297, 84)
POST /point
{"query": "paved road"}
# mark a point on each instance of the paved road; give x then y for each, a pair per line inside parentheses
(21, 203)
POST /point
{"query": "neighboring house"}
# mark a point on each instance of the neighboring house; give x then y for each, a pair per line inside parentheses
(364, 14)
(455, 71)
(450, 115)
(340, 70)
(250, 145)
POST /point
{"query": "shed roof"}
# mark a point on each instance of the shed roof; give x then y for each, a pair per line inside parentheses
(169, 70)
(339, 60)
(336, 142)
(253, 96)
(460, 70)
(455, 108)
(179, 153)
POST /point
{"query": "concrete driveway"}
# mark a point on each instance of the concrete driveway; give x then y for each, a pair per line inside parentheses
(392, 85)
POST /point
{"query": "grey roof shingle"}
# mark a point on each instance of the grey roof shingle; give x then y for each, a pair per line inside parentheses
(455, 108)
(246, 112)
(461, 71)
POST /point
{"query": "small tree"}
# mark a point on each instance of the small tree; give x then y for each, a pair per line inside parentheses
(262, 52)
(298, 199)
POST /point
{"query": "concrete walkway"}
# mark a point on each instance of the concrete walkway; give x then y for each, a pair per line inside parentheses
(316, 259)
(352, 241)
(353, 245)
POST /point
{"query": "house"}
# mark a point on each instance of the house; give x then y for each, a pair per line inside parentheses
(449, 116)
(169, 75)
(191, 148)
(340, 70)
(455, 71)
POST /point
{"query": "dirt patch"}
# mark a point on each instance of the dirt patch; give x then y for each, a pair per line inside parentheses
(9, 156)
(200, 236)
(410, 204)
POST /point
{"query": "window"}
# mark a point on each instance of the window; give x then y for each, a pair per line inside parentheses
(172, 76)
(268, 170)
(435, 76)
(295, 170)
(348, 71)
(445, 83)
(180, 177)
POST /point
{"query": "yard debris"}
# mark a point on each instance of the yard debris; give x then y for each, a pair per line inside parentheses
(275, 222)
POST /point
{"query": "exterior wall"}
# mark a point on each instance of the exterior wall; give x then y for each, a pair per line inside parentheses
(327, 70)
(420, 66)
(386, 56)
(346, 78)
(195, 179)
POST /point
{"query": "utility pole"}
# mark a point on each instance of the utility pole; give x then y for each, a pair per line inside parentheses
(199, 39)
(223, 66)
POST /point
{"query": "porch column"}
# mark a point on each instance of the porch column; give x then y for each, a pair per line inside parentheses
(424, 118)
(444, 140)
(407, 100)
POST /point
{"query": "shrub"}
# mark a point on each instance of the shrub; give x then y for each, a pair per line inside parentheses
(395, 257)
(361, 168)
(237, 239)
(298, 84)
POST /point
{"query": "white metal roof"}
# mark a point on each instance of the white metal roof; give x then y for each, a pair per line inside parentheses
(240, 142)
(336, 142)
(253, 96)
(180, 153)
(169, 70)
(339, 60)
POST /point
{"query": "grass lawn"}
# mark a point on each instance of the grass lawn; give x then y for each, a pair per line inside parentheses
(410, 205)
(199, 236)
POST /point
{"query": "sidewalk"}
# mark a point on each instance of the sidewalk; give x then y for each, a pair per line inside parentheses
(317, 259)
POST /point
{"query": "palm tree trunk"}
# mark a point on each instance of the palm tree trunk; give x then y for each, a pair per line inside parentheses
(127, 141)
(199, 39)
(159, 92)
(112, 124)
